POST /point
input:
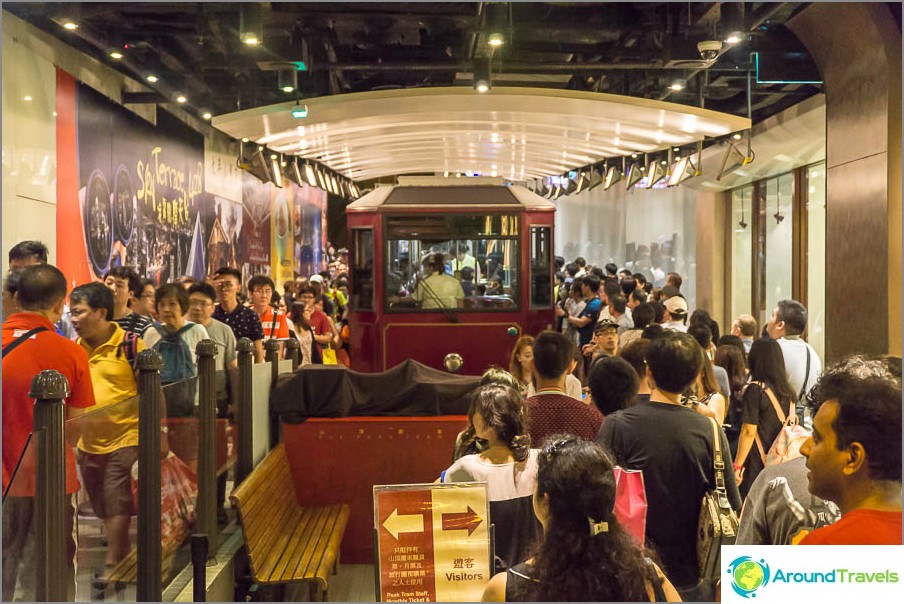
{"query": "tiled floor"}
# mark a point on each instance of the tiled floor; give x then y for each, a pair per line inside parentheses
(353, 583)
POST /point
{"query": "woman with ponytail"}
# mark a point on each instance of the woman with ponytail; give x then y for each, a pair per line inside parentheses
(585, 555)
(509, 467)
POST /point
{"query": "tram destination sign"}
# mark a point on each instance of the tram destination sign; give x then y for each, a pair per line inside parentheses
(432, 542)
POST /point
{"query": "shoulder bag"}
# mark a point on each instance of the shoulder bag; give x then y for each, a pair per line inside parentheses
(718, 523)
(792, 435)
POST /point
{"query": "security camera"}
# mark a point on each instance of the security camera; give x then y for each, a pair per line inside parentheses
(709, 49)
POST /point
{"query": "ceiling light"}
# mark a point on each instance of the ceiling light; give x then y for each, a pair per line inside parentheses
(245, 139)
(734, 37)
(27, 98)
(656, 173)
(682, 170)
(300, 111)
(181, 98)
(634, 174)
(676, 149)
(733, 159)
(152, 78)
(207, 115)
(70, 25)
(287, 77)
(115, 54)
(495, 40)
(309, 175)
(612, 177)
(275, 172)
(251, 30)
(736, 136)
(595, 178)
(676, 85)
(482, 75)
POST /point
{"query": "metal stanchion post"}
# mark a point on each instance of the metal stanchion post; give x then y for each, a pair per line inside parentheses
(245, 461)
(150, 404)
(271, 355)
(199, 552)
(207, 441)
(49, 388)
(293, 352)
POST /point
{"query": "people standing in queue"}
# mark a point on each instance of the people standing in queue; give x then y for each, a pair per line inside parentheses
(584, 555)
(126, 284)
(30, 345)
(243, 321)
(273, 321)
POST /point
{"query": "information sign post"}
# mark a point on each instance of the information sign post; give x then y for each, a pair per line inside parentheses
(433, 542)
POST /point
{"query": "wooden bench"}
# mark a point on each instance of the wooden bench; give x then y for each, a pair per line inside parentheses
(287, 543)
(125, 572)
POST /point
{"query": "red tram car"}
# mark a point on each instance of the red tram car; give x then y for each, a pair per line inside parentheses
(495, 239)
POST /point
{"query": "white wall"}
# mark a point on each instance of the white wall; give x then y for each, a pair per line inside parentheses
(29, 146)
(599, 225)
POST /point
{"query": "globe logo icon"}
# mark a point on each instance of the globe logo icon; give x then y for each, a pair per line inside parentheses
(748, 575)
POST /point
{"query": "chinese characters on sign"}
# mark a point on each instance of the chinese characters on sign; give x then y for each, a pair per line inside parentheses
(433, 542)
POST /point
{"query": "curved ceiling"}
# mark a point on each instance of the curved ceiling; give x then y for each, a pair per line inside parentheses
(516, 133)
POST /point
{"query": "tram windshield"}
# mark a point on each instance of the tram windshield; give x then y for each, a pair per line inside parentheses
(439, 262)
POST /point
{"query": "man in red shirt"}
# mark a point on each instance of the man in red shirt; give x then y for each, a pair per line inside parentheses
(854, 457)
(550, 410)
(273, 321)
(31, 345)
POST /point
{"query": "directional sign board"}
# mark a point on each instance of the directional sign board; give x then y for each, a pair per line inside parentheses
(433, 542)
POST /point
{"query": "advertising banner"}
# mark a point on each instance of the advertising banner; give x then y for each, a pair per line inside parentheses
(140, 191)
(433, 542)
(282, 247)
(254, 251)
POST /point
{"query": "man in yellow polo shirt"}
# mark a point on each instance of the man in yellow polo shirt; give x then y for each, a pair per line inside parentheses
(108, 446)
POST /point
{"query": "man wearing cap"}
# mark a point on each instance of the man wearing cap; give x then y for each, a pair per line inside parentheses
(604, 343)
(675, 314)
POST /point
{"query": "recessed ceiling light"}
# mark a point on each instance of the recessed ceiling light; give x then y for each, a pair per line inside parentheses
(250, 39)
(733, 38)
(115, 54)
(245, 139)
(181, 98)
(288, 88)
(207, 115)
(70, 25)
(677, 85)
(27, 98)
(152, 78)
(482, 87)
(495, 40)
(736, 136)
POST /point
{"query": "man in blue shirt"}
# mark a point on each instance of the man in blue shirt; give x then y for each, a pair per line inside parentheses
(585, 321)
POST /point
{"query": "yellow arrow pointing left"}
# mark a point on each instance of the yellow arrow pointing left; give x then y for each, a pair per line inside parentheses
(409, 523)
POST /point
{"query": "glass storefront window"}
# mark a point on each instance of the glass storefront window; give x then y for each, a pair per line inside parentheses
(480, 252)
(816, 257)
(779, 230)
(741, 250)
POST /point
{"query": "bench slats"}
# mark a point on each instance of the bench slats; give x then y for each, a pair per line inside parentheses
(286, 543)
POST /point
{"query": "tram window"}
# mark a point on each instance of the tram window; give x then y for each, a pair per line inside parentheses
(486, 270)
(540, 268)
(363, 270)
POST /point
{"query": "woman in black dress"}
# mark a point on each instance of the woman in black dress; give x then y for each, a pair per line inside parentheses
(768, 387)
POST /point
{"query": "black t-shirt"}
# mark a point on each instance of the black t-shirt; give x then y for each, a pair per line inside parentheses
(673, 445)
(757, 409)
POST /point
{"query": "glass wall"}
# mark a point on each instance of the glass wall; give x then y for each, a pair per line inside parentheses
(779, 231)
(741, 250)
(816, 256)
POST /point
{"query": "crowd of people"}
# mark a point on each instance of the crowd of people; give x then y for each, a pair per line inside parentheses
(94, 340)
(629, 377)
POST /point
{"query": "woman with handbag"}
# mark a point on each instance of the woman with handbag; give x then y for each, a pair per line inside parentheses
(767, 393)
(585, 555)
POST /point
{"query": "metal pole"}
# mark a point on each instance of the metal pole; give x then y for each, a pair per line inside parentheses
(150, 547)
(207, 441)
(245, 462)
(293, 352)
(271, 355)
(49, 388)
(199, 553)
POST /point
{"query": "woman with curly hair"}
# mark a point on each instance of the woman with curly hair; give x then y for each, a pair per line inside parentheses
(467, 441)
(585, 555)
(509, 467)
